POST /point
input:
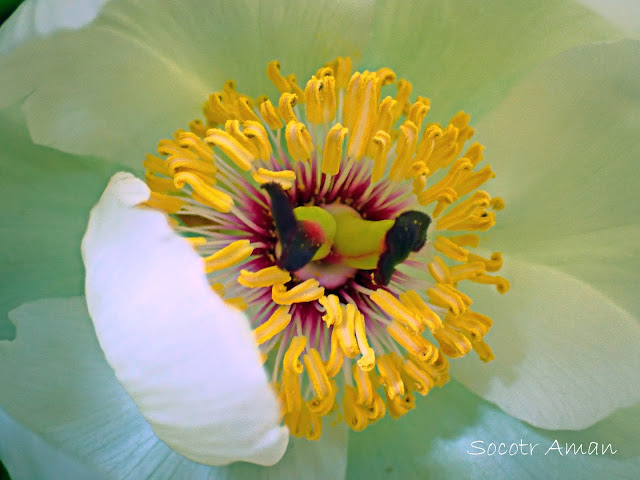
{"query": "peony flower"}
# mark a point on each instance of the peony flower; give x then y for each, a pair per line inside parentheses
(137, 381)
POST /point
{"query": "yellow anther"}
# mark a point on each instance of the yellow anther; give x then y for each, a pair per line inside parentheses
(166, 203)
(439, 270)
(346, 331)
(386, 76)
(245, 111)
(492, 264)
(406, 144)
(445, 149)
(377, 409)
(472, 210)
(418, 169)
(422, 380)
(396, 310)
(342, 69)
(228, 256)
(497, 203)
(294, 88)
(474, 153)
(399, 406)
(466, 240)
(291, 389)
(257, 135)
(501, 283)
(236, 152)
(473, 180)
(270, 116)
(275, 324)
(467, 271)
(461, 121)
(217, 199)
(317, 373)
(402, 97)
(285, 107)
(195, 144)
(232, 127)
(197, 127)
(285, 178)
(384, 117)
(218, 288)
(321, 99)
(483, 350)
(332, 154)
(314, 432)
(336, 355)
(419, 110)
(446, 296)
(452, 343)
(266, 277)
(153, 164)
(331, 304)
(419, 184)
(306, 291)
(474, 324)
(176, 163)
(368, 360)
(380, 150)
(291, 360)
(298, 140)
(354, 415)
(196, 242)
(322, 406)
(363, 385)
(214, 111)
(390, 376)
(450, 249)
(421, 310)
(326, 71)
(170, 147)
(237, 302)
(273, 74)
(415, 344)
(364, 107)
(443, 189)
(439, 370)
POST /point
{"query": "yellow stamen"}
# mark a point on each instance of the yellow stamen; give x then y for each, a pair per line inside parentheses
(332, 154)
(363, 385)
(399, 406)
(492, 264)
(292, 80)
(390, 376)
(321, 99)
(237, 302)
(317, 373)
(232, 127)
(322, 406)
(257, 135)
(473, 180)
(446, 296)
(453, 344)
(402, 97)
(196, 241)
(419, 110)
(421, 310)
(331, 304)
(217, 199)
(228, 256)
(166, 203)
(284, 178)
(450, 249)
(368, 360)
(474, 324)
(275, 324)
(291, 388)
(363, 105)
(422, 380)
(417, 345)
(195, 144)
(298, 141)
(270, 116)
(466, 240)
(237, 153)
(273, 74)
(386, 76)
(396, 310)
(381, 144)
(285, 107)
(342, 69)
(501, 283)
(467, 271)
(266, 277)
(354, 415)
(346, 331)
(153, 164)
(405, 146)
(306, 291)
(439, 270)
(336, 355)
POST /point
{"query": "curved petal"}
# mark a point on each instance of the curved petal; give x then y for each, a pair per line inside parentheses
(565, 149)
(190, 362)
(46, 197)
(566, 356)
(623, 13)
(25, 455)
(39, 18)
(467, 55)
(435, 441)
(140, 72)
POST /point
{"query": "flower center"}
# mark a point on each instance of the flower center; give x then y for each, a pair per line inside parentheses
(321, 217)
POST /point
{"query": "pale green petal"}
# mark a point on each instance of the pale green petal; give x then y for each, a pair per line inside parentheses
(39, 18)
(432, 442)
(25, 455)
(56, 382)
(466, 55)
(140, 72)
(565, 148)
(46, 197)
(566, 356)
(624, 13)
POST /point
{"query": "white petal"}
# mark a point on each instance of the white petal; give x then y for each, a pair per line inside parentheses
(623, 13)
(189, 362)
(566, 356)
(39, 18)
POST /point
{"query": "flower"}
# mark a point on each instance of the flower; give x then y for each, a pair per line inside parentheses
(564, 282)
